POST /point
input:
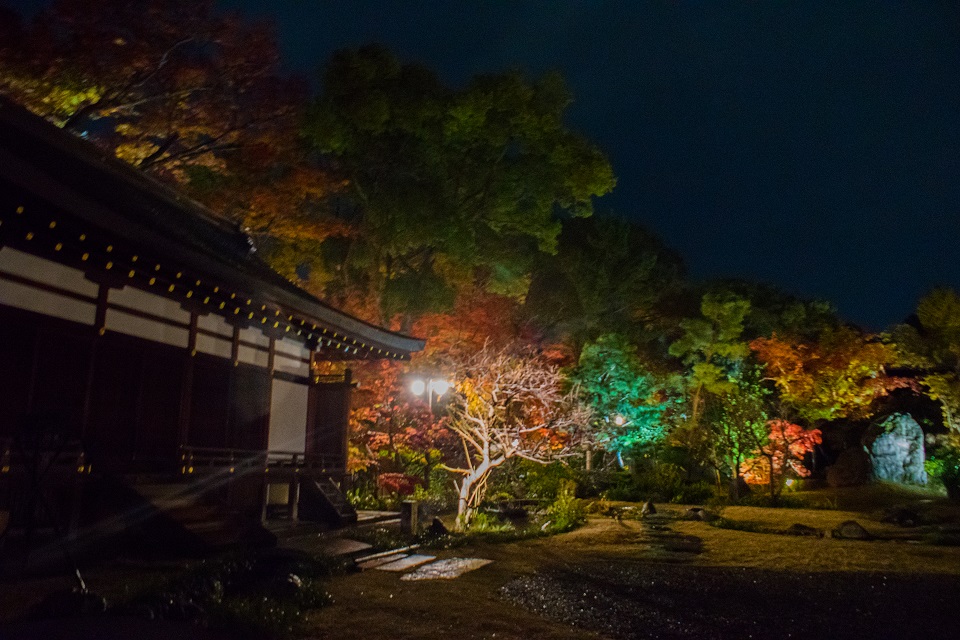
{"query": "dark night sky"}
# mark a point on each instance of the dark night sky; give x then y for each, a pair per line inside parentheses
(814, 145)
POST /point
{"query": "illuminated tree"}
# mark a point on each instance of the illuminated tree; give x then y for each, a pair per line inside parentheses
(738, 426)
(779, 454)
(712, 348)
(451, 188)
(510, 404)
(838, 376)
(162, 85)
(627, 401)
(391, 429)
(933, 348)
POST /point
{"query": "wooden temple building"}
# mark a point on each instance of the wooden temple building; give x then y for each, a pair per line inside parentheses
(150, 362)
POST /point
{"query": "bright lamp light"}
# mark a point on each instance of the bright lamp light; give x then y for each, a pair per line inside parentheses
(439, 387)
(418, 387)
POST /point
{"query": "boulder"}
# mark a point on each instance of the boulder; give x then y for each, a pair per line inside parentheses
(648, 508)
(851, 530)
(851, 469)
(699, 513)
(895, 447)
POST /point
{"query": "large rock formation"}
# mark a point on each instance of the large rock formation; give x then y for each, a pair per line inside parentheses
(895, 447)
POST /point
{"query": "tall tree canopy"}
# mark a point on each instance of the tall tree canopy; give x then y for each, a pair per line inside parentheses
(163, 87)
(838, 376)
(933, 347)
(188, 95)
(450, 186)
(608, 275)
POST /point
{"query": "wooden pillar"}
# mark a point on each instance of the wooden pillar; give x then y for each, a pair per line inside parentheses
(265, 498)
(293, 498)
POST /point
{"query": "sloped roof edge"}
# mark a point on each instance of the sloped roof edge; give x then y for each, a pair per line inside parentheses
(106, 192)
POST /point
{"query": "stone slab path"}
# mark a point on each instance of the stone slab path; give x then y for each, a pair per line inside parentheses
(373, 563)
(447, 569)
(408, 562)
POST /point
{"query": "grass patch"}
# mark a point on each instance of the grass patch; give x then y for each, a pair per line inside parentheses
(740, 525)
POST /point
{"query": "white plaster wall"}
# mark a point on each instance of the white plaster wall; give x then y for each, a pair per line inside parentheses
(149, 329)
(292, 348)
(216, 324)
(288, 357)
(214, 346)
(254, 336)
(46, 271)
(150, 303)
(289, 365)
(24, 297)
(253, 356)
(288, 417)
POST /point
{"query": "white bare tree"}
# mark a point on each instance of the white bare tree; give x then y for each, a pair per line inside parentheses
(510, 403)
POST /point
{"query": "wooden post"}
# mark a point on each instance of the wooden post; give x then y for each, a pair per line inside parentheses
(293, 498)
(265, 495)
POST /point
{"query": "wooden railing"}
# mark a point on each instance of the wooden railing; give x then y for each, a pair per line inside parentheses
(69, 457)
(212, 459)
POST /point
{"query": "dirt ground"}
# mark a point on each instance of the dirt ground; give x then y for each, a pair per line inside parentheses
(666, 577)
(660, 577)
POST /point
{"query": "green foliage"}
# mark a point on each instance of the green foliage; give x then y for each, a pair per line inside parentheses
(609, 275)
(627, 400)
(944, 467)
(663, 482)
(712, 349)
(774, 312)
(440, 497)
(483, 522)
(739, 424)
(454, 186)
(934, 349)
(567, 512)
(365, 496)
(519, 479)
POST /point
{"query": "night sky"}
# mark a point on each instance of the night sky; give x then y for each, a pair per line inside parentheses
(813, 145)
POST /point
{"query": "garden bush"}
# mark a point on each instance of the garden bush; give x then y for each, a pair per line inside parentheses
(661, 482)
(567, 511)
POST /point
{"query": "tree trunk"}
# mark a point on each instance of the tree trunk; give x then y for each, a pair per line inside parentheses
(468, 500)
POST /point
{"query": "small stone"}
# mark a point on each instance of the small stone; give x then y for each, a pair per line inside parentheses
(851, 530)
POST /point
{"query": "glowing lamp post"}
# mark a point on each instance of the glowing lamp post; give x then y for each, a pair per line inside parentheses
(431, 387)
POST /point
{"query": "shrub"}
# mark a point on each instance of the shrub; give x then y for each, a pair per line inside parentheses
(363, 498)
(400, 484)
(944, 467)
(483, 522)
(663, 482)
(439, 498)
(567, 512)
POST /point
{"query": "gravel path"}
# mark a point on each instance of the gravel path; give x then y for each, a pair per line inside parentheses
(653, 600)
